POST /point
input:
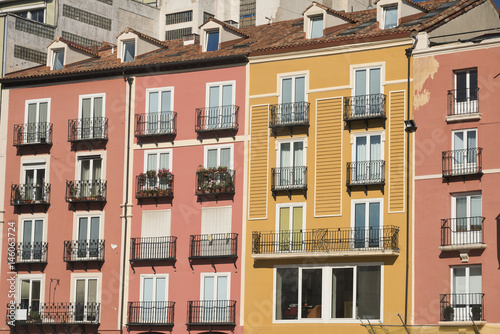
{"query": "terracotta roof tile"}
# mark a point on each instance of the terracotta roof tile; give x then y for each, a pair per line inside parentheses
(331, 10)
(144, 36)
(225, 25)
(88, 50)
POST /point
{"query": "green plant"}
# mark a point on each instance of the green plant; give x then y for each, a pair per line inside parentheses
(448, 313)
(142, 176)
(34, 315)
(151, 174)
(476, 312)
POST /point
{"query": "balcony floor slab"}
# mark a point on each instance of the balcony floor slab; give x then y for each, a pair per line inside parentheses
(325, 254)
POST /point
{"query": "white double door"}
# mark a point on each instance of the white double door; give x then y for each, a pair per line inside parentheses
(154, 299)
(467, 223)
(464, 151)
(215, 293)
(467, 291)
(368, 156)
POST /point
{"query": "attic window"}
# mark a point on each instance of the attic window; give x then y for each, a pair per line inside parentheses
(57, 59)
(316, 26)
(128, 50)
(390, 17)
(212, 40)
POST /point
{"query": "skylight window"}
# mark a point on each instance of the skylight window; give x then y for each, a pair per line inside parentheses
(57, 59)
(128, 50)
(390, 17)
(212, 40)
(316, 26)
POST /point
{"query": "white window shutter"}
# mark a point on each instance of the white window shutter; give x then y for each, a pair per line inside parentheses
(155, 223)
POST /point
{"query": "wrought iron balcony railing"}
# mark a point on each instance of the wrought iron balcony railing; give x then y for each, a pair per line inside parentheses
(54, 313)
(86, 191)
(362, 107)
(31, 252)
(88, 129)
(217, 118)
(365, 173)
(32, 134)
(463, 162)
(28, 194)
(324, 240)
(153, 248)
(151, 313)
(156, 124)
(289, 114)
(157, 186)
(289, 178)
(463, 101)
(462, 306)
(211, 312)
(83, 250)
(462, 231)
(219, 245)
(215, 181)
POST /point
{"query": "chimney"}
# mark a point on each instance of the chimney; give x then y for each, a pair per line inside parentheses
(191, 39)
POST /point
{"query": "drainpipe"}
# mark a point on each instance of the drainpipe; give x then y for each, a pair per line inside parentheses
(130, 81)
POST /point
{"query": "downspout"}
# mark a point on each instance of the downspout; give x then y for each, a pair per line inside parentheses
(4, 52)
(130, 81)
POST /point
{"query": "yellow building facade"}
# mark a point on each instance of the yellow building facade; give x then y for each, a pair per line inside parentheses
(327, 198)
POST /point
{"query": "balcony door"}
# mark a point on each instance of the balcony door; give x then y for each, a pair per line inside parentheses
(92, 117)
(155, 225)
(220, 102)
(157, 161)
(34, 181)
(37, 126)
(216, 225)
(32, 240)
(293, 91)
(154, 300)
(467, 223)
(465, 151)
(291, 161)
(215, 294)
(90, 176)
(290, 228)
(159, 116)
(88, 237)
(367, 225)
(466, 291)
(367, 89)
(85, 299)
(368, 156)
(466, 92)
(29, 298)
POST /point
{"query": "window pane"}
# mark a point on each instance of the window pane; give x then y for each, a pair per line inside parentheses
(152, 161)
(459, 280)
(213, 41)
(287, 286)
(164, 160)
(461, 82)
(375, 81)
(227, 95)
(208, 288)
(153, 102)
(211, 158)
(368, 292)
(311, 293)
(475, 283)
(342, 293)
(147, 290)
(58, 60)
(300, 89)
(129, 52)
(225, 157)
(160, 289)
(360, 79)
(391, 17)
(316, 27)
(286, 94)
(475, 206)
(222, 288)
(473, 84)
(165, 101)
(285, 155)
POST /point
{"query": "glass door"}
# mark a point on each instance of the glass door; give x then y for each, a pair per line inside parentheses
(215, 306)
(154, 308)
(293, 91)
(467, 222)
(92, 121)
(86, 299)
(465, 151)
(467, 291)
(34, 181)
(32, 240)
(367, 225)
(291, 234)
(88, 237)
(90, 177)
(160, 115)
(37, 123)
(367, 92)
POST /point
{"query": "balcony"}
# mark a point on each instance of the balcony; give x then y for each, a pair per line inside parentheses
(151, 313)
(32, 134)
(155, 185)
(462, 233)
(289, 179)
(214, 183)
(159, 124)
(88, 129)
(324, 242)
(463, 105)
(467, 162)
(30, 195)
(151, 249)
(84, 252)
(365, 173)
(86, 192)
(219, 245)
(462, 307)
(289, 115)
(52, 314)
(29, 254)
(211, 313)
(219, 121)
(364, 108)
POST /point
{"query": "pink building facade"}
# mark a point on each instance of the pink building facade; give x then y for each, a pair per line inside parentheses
(456, 185)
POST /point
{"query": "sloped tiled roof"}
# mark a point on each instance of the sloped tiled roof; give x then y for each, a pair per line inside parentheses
(144, 36)
(330, 10)
(74, 46)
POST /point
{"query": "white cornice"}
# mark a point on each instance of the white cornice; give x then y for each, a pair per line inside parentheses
(456, 47)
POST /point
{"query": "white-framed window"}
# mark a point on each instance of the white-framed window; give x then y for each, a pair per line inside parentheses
(57, 59)
(328, 293)
(158, 160)
(88, 236)
(33, 14)
(316, 27)
(466, 214)
(466, 287)
(155, 235)
(212, 40)
(159, 115)
(215, 297)
(128, 48)
(91, 116)
(367, 223)
(34, 180)
(218, 156)
(220, 102)
(293, 100)
(465, 150)
(86, 289)
(466, 89)
(37, 121)
(90, 176)
(29, 294)
(367, 99)
(290, 226)
(154, 299)
(367, 158)
(390, 16)
(32, 248)
(291, 164)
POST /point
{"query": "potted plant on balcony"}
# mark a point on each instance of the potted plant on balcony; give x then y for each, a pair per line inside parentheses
(476, 312)
(448, 313)
(151, 174)
(142, 177)
(17, 195)
(34, 316)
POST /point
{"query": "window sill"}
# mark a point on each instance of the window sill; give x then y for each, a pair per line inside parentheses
(461, 323)
(463, 117)
(462, 247)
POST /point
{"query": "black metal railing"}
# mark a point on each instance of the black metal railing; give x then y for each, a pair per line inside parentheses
(215, 180)
(151, 313)
(31, 252)
(326, 240)
(154, 186)
(289, 178)
(217, 118)
(26, 194)
(32, 134)
(54, 313)
(86, 191)
(365, 172)
(153, 248)
(462, 231)
(462, 306)
(156, 124)
(463, 101)
(213, 245)
(88, 129)
(83, 250)
(289, 114)
(211, 312)
(463, 162)
(364, 107)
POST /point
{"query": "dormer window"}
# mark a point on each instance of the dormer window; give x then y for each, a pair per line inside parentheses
(316, 26)
(390, 17)
(212, 40)
(57, 59)
(128, 50)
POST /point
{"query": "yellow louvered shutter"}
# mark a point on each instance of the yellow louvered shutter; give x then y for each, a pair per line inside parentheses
(259, 145)
(396, 151)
